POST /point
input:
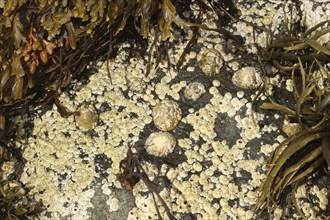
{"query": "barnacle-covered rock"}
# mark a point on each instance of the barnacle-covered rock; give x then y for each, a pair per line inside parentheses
(166, 115)
(247, 78)
(194, 90)
(160, 144)
(210, 61)
(87, 118)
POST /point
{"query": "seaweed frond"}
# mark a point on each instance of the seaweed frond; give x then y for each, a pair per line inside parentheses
(132, 173)
(303, 153)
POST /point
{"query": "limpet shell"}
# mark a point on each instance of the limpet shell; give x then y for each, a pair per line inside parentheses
(166, 115)
(247, 78)
(210, 61)
(160, 144)
(87, 117)
(194, 91)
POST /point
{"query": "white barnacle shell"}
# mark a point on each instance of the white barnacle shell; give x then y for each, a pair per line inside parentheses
(136, 84)
(247, 78)
(160, 144)
(87, 117)
(166, 115)
(194, 90)
(210, 61)
(291, 128)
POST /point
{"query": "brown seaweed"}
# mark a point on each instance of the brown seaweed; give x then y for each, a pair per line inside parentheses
(132, 173)
(301, 154)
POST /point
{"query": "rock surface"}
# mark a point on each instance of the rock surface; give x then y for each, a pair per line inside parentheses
(221, 153)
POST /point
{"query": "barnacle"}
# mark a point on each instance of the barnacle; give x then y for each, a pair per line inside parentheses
(136, 84)
(291, 128)
(194, 91)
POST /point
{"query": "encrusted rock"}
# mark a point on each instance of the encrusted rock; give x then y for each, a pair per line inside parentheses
(166, 115)
(247, 78)
(160, 144)
(210, 61)
(87, 117)
(194, 91)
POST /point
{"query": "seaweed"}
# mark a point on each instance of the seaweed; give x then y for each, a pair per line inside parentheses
(293, 162)
(14, 203)
(132, 173)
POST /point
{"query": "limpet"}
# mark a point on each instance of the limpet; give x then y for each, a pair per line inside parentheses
(160, 144)
(87, 117)
(194, 91)
(210, 61)
(247, 78)
(166, 115)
